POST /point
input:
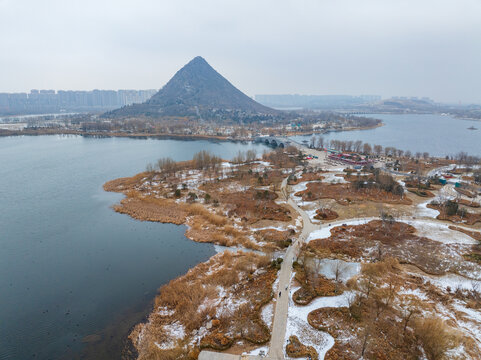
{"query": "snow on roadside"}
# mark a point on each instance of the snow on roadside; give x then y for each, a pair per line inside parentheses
(259, 351)
(297, 322)
(267, 314)
(299, 187)
(311, 214)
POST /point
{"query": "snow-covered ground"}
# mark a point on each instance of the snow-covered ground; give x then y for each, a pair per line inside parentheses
(346, 269)
(325, 231)
(299, 187)
(440, 232)
(437, 231)
(278, 228)
(174, 333)
(415, 292)
(297, 325)
(423, 211)
(454, 282)
(333, 179)
(297, 315)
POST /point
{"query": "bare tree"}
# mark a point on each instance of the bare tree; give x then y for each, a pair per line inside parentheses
(410, 306)
(367, 149)
(251, 155)
(338, 268)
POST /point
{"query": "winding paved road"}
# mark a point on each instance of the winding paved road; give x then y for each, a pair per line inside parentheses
(277, 343)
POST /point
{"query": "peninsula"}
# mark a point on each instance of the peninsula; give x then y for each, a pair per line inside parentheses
(321, 254)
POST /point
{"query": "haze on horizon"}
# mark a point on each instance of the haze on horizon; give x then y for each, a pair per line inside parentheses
(411, 48)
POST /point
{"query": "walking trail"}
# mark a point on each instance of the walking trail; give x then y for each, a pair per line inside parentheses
(276, 348)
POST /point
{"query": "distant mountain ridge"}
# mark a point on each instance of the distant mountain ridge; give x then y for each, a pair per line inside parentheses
(195, 90)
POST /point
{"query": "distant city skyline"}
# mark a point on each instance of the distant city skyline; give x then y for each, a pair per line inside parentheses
(391, 48)
(152, 91)
(45, 101)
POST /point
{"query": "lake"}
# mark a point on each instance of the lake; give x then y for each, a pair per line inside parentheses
(437, 134)
(74, 275)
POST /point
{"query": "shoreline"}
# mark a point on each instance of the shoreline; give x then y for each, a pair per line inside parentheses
(145, 207)
(40, 132)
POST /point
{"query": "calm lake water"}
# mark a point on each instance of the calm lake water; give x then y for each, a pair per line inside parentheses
(69, 265)
(436, 134)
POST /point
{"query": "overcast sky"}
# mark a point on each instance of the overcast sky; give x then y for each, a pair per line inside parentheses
(386, 47)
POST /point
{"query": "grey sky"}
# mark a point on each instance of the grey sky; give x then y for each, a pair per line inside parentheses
(403, 47)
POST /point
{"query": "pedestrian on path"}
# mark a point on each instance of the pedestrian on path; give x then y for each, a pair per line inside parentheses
(279, 294)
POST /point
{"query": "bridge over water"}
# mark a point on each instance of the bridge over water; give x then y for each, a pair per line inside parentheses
(273, 141)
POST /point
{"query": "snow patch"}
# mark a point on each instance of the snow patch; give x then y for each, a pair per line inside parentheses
(262, 351)
(346, 269)
(164, 311)
(174, 332)
(440, 232)
(267, 314)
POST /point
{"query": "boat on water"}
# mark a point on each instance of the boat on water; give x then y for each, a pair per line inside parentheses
(472, 128)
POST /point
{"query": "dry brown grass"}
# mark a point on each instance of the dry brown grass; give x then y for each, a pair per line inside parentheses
(312, 284)
(421, 192)
(421, 166)
(378, 240)
(384, 338)
(467, 218)
(345, 194)
(435, 336)
(193, 300)
(296, 349)
(254, 205)
(125, 183)
(376, 325)
(151, 209)
(469, 203)
(326, 214)
(465, 192)
(277, 239)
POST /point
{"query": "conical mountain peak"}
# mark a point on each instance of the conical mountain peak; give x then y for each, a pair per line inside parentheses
(196, 90)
